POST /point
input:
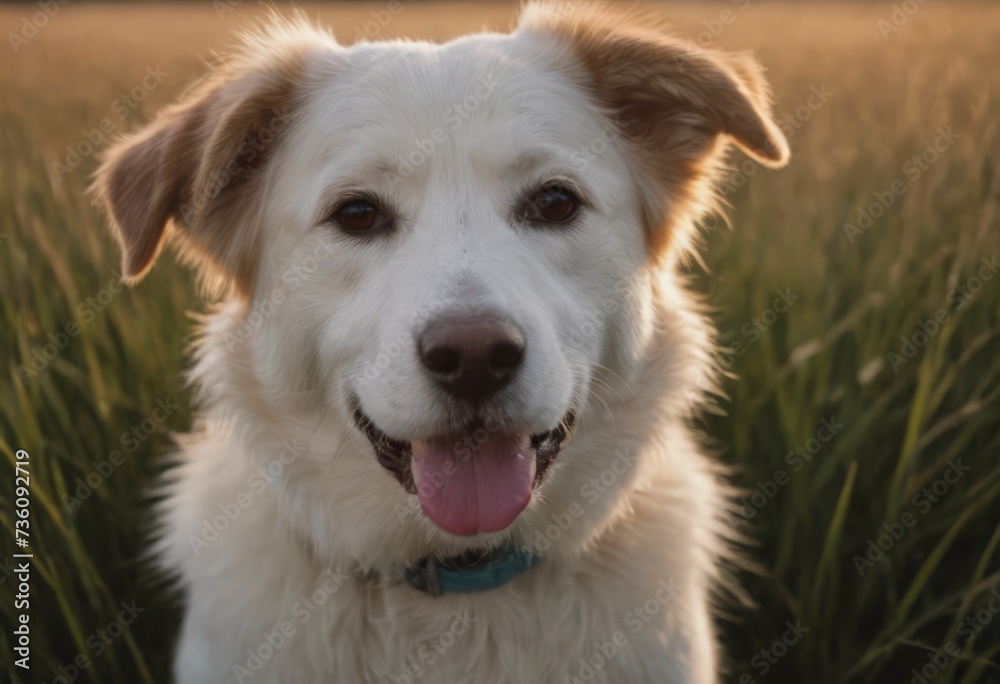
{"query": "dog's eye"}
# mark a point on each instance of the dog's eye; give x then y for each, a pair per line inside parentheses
(553, 204)
(359, 216)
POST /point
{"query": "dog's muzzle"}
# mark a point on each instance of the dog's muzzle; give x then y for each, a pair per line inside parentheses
(472, 481)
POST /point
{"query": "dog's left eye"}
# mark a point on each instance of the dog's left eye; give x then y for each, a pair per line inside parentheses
(552, 204)
(359, 216)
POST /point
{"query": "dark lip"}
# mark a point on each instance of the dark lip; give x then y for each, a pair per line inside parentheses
(395, 455)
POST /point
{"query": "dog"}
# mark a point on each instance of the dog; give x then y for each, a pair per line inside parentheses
(447, 392)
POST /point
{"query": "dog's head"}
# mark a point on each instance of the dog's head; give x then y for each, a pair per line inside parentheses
(447, 250)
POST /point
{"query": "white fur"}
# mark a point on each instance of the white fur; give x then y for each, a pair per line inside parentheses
(609, 331)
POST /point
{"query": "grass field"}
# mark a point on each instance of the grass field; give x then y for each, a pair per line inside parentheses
(864, 411)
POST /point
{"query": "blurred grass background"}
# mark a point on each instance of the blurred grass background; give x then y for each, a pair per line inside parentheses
(825, 358)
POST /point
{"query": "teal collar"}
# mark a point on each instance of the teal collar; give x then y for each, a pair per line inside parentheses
(469, 572)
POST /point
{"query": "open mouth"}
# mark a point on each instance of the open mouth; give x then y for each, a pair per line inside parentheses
(474, 480)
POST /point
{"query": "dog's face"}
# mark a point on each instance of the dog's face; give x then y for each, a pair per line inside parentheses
(470, 245)
(448, 249)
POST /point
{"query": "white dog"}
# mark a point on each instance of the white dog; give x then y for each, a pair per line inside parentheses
(441, 264)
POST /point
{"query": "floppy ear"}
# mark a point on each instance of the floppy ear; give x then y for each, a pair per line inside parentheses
(672, 100)
(193, 171)
(651, 80)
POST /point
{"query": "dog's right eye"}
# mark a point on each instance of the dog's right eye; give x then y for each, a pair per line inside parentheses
(359, 216)
(552, 204)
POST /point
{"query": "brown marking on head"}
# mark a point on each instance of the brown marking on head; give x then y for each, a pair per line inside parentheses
(671, 99)
(197, 167)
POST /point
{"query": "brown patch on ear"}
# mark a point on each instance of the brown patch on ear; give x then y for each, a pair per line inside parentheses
(671, 99)
(196, 167)
(141, 195)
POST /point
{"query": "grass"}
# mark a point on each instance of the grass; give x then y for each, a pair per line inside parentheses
(824, 358)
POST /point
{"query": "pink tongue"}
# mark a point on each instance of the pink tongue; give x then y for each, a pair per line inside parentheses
(465, 490)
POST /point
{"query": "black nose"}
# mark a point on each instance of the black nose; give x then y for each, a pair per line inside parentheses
(472, 357)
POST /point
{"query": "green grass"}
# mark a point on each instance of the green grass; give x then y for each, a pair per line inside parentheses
(825, 358)
(73, 413)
